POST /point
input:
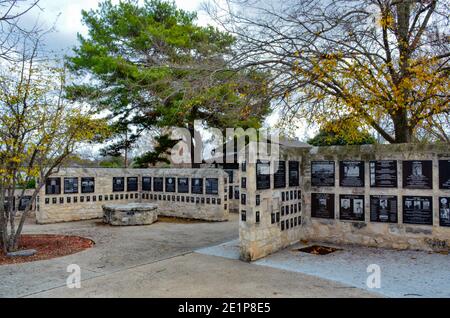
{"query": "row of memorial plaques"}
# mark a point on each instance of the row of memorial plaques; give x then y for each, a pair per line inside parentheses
(53, 185)
(181, 185)
(279, 175)
(101, 197)
(417, 174)
(383, 208)
(23, 202)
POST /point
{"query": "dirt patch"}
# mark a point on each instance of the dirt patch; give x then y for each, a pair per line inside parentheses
(47, 246)
(318, 250)
(170, 219)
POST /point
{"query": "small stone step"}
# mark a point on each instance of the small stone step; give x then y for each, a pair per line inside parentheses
(23, 253)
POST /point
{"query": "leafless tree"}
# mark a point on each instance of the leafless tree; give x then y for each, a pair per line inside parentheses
(12, 33)
(385, 63)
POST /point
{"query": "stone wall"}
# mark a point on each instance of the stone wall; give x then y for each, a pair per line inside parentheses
(344, 227)
(277, 208)
(63, 206)
(205, 206)
(233, 190)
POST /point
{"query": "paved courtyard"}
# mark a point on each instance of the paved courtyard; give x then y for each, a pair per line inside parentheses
(173, 259)
(159, 260)
(402, 273)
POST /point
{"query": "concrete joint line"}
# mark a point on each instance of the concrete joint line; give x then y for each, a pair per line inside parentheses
(110, 273)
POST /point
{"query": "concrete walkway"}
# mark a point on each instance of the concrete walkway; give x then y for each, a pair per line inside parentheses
(402, 273)
(159, 261)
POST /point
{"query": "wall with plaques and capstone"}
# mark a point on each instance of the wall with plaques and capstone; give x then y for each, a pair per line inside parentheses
(394, 196)
(75, 194)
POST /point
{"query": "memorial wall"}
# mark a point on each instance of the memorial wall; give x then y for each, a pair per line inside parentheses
(233, 189)
(394, 196)
(78, 193)
(271, 206)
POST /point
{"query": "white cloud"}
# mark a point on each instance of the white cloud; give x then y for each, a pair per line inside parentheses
(65, 15)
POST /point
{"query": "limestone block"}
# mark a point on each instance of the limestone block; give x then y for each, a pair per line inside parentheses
(130, 214)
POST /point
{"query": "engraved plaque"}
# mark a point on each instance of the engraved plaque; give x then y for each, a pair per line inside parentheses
(158, 184)
(351, 207)
(212, 186)
(146, 183)
(444, 174)
(322, 173)
(444, 211)
(418, 210)
(294, 175)
(418, 174)
(262, 175)
(197, 185)
(322, 205)
(383, 174)
(183, 185)
(351, 173)
(383, 208)
(170, 184)
(279, 177)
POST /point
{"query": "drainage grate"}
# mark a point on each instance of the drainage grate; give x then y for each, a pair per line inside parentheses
(318, 250)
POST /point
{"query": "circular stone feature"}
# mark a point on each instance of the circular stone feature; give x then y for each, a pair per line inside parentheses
(130, 214)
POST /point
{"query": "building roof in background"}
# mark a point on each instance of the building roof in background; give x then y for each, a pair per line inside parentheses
(293, 143)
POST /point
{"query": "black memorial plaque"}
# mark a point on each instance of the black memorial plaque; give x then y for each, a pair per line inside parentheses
(351, 207)
(146, 183)
(170, 184)
(444, 211)
(70, 185)
(444, 174)
(351, 173)
(183, 185)
(383, 174)
(322, 205)
(24, 202)
(158, 184)
(294, 174)
(383, 208)
(212, 186)
(197, 186)
(279, 177)
(322, 173)
(53, 186)
(132, 184)
(243, 182)
(418, 210)
(118, 184)
(230, 176)
(262, 175)
(418, 174)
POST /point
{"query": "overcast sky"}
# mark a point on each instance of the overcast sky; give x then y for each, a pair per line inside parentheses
(65, 15)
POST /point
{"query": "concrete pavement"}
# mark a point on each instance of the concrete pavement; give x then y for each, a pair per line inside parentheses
(158, 261)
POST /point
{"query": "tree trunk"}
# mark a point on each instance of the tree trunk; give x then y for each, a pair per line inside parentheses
(126, 149)
(403, 132)
(194, 147)
(3, 222)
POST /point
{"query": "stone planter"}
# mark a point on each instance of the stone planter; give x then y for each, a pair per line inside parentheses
(130, 214)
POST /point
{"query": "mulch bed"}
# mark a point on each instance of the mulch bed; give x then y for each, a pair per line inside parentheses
(173, 219)
(47, 246)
